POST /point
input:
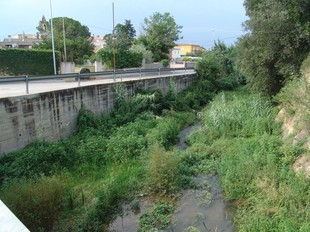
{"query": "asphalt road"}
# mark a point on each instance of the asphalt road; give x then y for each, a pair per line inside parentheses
(19, 88)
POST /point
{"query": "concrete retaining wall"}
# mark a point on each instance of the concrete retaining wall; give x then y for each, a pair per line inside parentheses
(53, 115)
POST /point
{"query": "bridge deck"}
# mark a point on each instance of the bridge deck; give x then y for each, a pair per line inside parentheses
(19, 89)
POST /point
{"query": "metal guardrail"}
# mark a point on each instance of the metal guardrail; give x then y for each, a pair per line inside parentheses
(101, 75)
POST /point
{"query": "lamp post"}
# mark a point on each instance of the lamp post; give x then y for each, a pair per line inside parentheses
(213, 34)
(53, 45)
(113, 40)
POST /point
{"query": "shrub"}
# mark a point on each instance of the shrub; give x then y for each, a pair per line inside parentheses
(120, 186)
(37, 202)
(129, 141)
(166, 133)
(38, 158)
(165, 63)
(92, 151)
(162, 172)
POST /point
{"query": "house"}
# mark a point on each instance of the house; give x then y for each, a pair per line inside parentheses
(175, 54)
(25, 41)
(98, 42)
(189, 49)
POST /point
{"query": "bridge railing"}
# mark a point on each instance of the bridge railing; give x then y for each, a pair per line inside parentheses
(119, 73)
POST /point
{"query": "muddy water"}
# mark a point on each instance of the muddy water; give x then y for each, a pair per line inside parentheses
(202, 208)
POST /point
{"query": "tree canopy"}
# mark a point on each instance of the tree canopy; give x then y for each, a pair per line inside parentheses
(160, 32)
(277, 42)
(124, 35)
(77, 37)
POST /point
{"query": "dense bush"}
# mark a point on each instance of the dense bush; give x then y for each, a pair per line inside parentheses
(36, 202)
(26, 62)
(123, 58)
(38, 158)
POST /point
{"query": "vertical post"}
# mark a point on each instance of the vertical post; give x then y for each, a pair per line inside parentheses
(79, 80)
(113, 39)
(159, 71)
(53, 45)
(27, 84)
(64, 36)
(140, 73)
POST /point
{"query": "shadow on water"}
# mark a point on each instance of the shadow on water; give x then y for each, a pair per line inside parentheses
(202, 209)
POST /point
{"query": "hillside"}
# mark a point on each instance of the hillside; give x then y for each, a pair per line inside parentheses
(295, 115)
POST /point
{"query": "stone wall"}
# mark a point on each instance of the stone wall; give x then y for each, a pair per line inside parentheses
(53, 115)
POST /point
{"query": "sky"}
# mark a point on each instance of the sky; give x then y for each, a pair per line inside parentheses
(203, 21)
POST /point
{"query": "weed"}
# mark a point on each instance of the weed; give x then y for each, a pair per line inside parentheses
(243, 143)
(159, 218)
(37, 203)
(161, 172)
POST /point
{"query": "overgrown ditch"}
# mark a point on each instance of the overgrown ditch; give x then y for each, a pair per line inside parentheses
(201, 208)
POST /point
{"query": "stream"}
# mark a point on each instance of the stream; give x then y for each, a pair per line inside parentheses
(202, 209)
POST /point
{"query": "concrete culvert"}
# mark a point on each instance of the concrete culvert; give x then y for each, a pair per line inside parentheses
(84, 70)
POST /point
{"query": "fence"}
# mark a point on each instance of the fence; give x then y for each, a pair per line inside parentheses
(121, 73)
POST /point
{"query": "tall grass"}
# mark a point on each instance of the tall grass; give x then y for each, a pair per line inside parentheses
(240, 133)
(37, 202)
(233, 115)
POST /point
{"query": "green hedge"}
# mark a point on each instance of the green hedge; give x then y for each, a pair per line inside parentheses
(123, 58)
(26, 62)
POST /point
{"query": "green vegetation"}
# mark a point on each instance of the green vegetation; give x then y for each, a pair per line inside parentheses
(77, 41)
(160, 32)
(124, 35)
(123, 58)
(26, 62)
(159, 218)
(110, 160)
(80, 183)
(240, 141)
(277, 42)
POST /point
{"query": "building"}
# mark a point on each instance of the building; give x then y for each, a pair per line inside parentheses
(189, 49)
(98, 42)
(25, 41)
(175, 54)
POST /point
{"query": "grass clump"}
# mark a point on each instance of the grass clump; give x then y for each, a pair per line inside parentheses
(241, 141)
(36, 202)
(162, 172)
(234, 115)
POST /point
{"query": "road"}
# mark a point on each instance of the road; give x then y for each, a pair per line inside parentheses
(19, 88)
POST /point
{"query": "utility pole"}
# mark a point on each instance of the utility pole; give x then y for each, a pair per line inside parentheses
(53, 45)
(64, 36)
(113, 35)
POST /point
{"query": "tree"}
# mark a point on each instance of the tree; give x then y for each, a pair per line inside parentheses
(160, 32)
(140, 48)
(277, 42)
(124, 35)
(77, 36)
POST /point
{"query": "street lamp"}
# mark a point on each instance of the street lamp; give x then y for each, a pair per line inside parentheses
(53, 45)
(213, 33)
